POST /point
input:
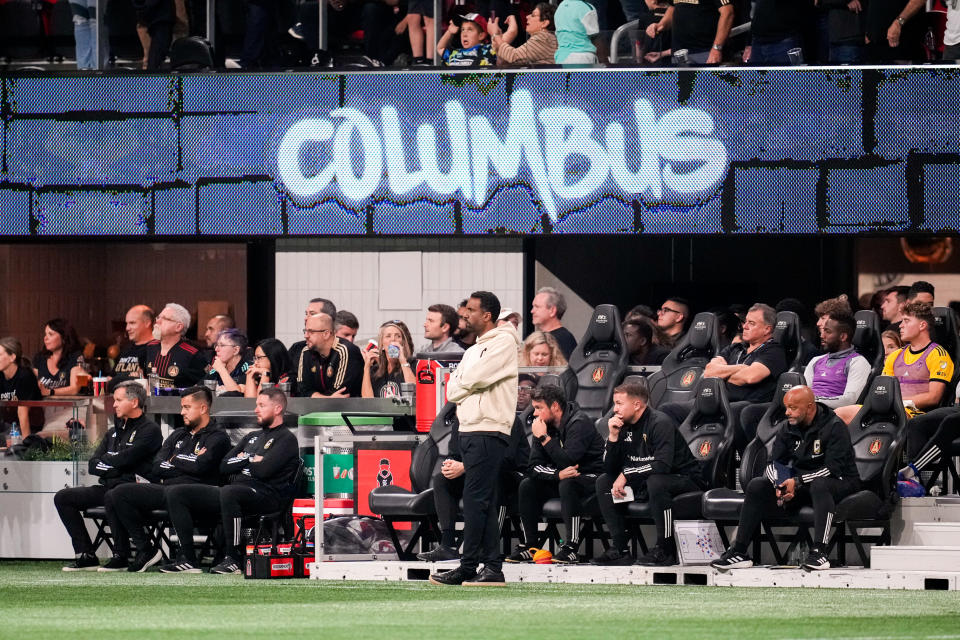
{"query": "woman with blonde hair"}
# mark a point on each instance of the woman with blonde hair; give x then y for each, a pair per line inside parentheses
(387, 365)
(541, 349)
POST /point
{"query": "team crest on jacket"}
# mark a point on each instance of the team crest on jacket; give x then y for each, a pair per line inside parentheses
(688, 378)
(598, 374)
(816, 447)
(875, 447)
(173, 370)
(267, 445)
(330, 371)
(705, 448)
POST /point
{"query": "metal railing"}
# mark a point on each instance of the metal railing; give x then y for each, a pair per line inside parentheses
(633, 24)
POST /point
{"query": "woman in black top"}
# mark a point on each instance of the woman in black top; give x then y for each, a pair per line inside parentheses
(388, 365)
(230, 363)
(271, 362)
(17, 382)
(60, 361)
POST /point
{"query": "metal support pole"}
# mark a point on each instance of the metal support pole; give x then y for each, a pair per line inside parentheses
(98, 61)
(322, 36)
(318, 550)
(212, 23)
(439, 26)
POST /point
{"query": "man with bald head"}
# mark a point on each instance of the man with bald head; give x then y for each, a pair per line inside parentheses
(327, 366)
(139, 330)
(812, 463)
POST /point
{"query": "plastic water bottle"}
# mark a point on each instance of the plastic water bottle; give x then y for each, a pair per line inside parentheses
(15, 437)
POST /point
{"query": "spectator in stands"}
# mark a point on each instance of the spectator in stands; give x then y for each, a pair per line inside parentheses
(139, 328)
(448, 487)
(839, 376)
(547, 311)
(921, 291)
(894, 34)
(846, 29)
(333, 367)
(176, 362)
(18, 382)
(377, 19)
(159, 17)
(654, 44)
(387, 366)
(951, 34)
(641, 310)
(672, 318)
(891, 309)
(125, 452)
(701, 27)
(891, 341)
(638, 335)
(541, 44)
(215, 325)
(474, 50)
(301, 357)
(190, 455)
(809, 338)
(346, 325)
(749, 370)
(230, 365)
(728, 325)
(577, 26)
(832, 307)
(438, 328)
(271, 364)
(484, 386)
(464, 336)
(525, 385)
(646, 459)
(262, 470)
(565, 459)
(923, 367)
(60, 361)
(84, 26)
(776, 29)
(419, 25)
(812, 463)
(513, 317)
(541, 349)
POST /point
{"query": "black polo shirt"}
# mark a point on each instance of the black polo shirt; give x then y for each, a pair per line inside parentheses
(181, 367)
(695, 23)
(771, 355)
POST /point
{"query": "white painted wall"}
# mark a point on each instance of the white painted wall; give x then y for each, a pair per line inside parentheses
(366, 283)
(578, 312)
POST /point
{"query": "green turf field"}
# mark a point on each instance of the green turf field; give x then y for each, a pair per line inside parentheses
(37, 600)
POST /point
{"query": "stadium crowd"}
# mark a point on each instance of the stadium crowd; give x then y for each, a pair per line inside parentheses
(475, 33)
(642, 458)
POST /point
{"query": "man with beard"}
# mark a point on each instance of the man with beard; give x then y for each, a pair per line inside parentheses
(189, 455)
(261, 468)
(812, 463)
(176, 362)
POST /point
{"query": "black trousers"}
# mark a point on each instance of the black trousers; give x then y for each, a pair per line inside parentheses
(482, 458)
(132, 503)
(929, 434)
(188, 503)
(71, 503)
(661, 489)
(448, 493)
(236, 501)
(761, 502)
(571, 491)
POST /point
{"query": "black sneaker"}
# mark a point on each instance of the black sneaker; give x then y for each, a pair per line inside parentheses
(180, 565)
(145, 560)
(441, 554)
(732, 559)
(453, 577)
(116, 563)
(816, 561)
(84, 562)
(229, 565)
(487, 578)
(657, 557)
(522, 553)
(567, 554)
(613, 558)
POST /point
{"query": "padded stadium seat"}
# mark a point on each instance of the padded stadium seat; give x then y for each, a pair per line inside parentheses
(945, 334)
(787, 332)
(708, 432)
(866, 339)
(396, 504)
(683, 366)
(599, 360)
(723, 504)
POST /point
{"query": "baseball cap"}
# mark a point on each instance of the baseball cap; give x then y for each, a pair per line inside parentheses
(471, 17)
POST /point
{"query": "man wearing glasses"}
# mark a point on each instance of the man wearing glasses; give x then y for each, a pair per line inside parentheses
(672, 320)
(175, 361)
(327, 366)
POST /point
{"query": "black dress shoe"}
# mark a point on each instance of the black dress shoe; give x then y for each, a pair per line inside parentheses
(487, 578)
(453, 577)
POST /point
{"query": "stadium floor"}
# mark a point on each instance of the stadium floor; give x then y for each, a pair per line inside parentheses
(37, 600)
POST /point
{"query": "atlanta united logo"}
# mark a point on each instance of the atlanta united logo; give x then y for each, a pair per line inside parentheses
(875, 447)
(688, 378)
(598, 374)
(705, 449)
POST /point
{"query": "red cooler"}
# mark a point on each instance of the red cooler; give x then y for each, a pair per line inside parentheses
(428, 388)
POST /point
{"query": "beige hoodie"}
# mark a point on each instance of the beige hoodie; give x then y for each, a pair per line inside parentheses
(484, 386)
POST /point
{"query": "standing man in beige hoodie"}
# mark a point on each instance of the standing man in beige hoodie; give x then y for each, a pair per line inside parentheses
(484, 387)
